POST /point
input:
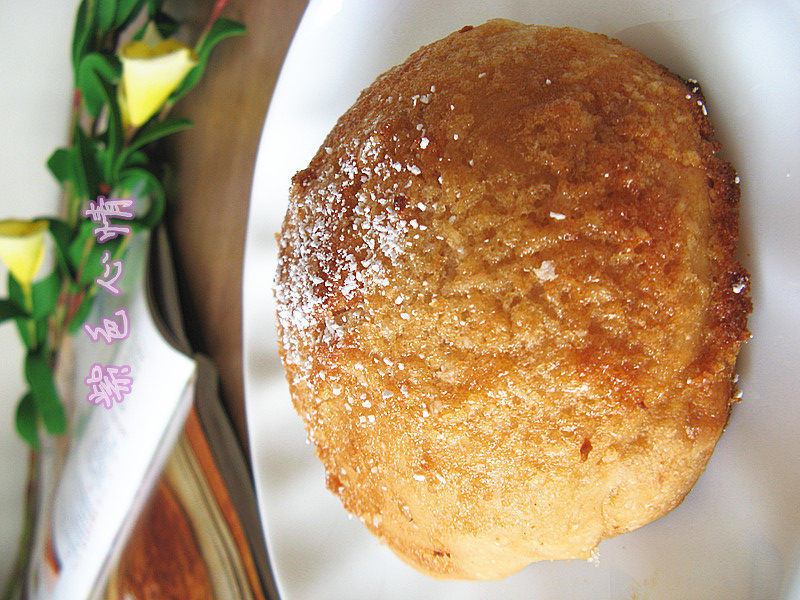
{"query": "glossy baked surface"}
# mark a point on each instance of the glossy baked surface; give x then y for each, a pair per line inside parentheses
(508, 300)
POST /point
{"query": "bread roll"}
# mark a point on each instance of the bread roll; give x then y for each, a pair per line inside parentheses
(509, 306)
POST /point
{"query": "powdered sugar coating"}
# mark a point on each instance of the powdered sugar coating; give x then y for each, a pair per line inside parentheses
(335, 245)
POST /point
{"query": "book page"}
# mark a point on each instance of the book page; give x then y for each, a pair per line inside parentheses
(94, 488)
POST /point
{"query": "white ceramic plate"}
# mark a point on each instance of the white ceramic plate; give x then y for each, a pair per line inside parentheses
(737, 535)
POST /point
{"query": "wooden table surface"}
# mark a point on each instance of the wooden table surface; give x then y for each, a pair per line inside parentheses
(214, 162)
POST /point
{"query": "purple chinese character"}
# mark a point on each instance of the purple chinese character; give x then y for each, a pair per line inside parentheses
(107, 384)
(106, 280)
(103, 210)
(110, 330)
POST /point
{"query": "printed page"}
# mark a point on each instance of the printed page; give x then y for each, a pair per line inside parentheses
(99, 482)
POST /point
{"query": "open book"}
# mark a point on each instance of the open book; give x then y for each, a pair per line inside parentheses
(143, 454)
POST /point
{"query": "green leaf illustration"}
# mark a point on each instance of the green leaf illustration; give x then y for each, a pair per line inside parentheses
(17, 296)
(221, 29)
(45, 396)
(83, 33)
(45, 294)
(80, 315)
(96, 73)
(106, 13)
(61, 234)
(141, 183)
(11, 310)
(151, 132)
(26, 420)
(15, 292)
(84, 165)
(59, 165)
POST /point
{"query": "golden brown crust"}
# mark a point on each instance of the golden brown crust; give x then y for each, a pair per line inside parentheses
(508, 302)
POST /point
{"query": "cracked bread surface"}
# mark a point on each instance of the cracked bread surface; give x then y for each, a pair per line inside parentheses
(508, 303)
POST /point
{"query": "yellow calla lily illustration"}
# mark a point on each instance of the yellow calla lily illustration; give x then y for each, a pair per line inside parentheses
(151, 70)
(22, 248)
